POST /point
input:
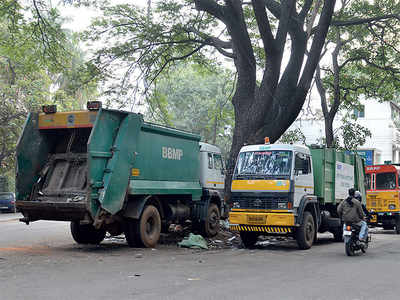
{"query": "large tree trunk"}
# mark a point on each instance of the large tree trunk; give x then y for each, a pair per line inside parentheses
(269, 107)
(330, 139)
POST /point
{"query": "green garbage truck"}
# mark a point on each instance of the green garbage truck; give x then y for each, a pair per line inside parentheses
(291, 190)
(109, 171)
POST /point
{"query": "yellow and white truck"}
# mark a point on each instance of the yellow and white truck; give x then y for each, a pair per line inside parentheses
(291, 190)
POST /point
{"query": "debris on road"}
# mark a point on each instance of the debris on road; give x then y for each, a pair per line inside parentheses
(194, 241)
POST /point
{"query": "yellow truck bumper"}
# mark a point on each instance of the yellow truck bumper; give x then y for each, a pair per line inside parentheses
(262, 222)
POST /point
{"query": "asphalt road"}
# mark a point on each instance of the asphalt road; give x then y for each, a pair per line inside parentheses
(41, 261)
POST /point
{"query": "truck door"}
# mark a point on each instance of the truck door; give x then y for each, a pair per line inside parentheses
(303, 177)
(215, 172)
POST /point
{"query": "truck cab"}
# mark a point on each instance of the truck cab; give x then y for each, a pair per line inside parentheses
(291, 190)
(211, 167)
(383, 195)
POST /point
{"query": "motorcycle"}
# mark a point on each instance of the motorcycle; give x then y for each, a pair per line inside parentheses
(351, 240)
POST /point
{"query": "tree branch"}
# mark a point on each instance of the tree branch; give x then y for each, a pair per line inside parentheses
(211, 7)
(264, 27)
(339, 23)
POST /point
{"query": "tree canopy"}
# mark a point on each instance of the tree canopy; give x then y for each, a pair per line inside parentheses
(271, 84)
(39, 63)
(364, 61)
(197, 99)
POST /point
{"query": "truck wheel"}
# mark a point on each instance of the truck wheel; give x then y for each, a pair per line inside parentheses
(306, 232)
(86, 234)
(249, 239)
(397, 227)
(211, 224)
(148, 227)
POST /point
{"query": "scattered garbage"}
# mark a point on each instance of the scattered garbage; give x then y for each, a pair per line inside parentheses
(175, 228)
(225, 239)
(224, 224)
(194, 241)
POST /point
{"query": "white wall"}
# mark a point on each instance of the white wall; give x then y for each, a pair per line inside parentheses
(377, 119)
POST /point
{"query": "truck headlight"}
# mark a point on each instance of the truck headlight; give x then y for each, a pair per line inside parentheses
(282, 205)
(236, 204)
(392, 206)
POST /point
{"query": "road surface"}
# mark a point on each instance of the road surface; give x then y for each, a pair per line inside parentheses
(41, 261)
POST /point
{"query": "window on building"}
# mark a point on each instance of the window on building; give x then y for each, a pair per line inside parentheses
(359, 112)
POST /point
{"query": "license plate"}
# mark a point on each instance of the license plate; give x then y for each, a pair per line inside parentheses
(373, 219)
(256, 219)
(346, 232)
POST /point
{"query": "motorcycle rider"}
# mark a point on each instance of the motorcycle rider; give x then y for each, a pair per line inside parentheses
(350, 212)
(358, 196)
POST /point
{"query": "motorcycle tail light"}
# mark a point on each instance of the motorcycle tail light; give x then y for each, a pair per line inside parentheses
(348, 227)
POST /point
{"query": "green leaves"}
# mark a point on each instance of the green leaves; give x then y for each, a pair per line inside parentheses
(366, 64)
(196, 99)
(39, 63)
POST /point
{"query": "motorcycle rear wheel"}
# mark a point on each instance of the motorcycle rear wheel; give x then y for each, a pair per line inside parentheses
(349, 248)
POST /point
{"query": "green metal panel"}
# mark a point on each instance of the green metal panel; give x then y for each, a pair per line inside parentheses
(118, 169)
(324, 165)
(100, 144)
(120, 142)
(174, 175)
(32, 152)
(145, 187)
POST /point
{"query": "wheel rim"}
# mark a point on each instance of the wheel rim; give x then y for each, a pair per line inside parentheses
(150, 226)
(309, 231)
(213, 220)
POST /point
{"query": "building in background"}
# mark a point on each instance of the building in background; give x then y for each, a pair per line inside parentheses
(381, 118)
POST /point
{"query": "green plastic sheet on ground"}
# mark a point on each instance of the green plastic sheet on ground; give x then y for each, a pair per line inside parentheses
(194, 241)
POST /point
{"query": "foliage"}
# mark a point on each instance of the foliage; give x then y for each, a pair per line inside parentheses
(138, 44)
(353, 135)
(196, 99)
(39, 63)
(293, 136)
(365, 59)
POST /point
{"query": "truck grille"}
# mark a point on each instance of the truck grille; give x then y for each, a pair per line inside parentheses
(264, 201)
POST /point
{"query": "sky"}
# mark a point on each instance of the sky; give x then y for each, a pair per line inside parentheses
(81, 17)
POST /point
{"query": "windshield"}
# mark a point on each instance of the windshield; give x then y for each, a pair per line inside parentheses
(275, 162)
(6, 196)
(385, 181)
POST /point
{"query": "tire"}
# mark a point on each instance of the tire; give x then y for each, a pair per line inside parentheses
(148, 227)
(249, 239)
(349, 248)
(210, 226)
(86, 234)
(305, 234)
(338, 234)
(397, 227)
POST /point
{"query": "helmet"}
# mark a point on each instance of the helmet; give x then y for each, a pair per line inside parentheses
(357, 195)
